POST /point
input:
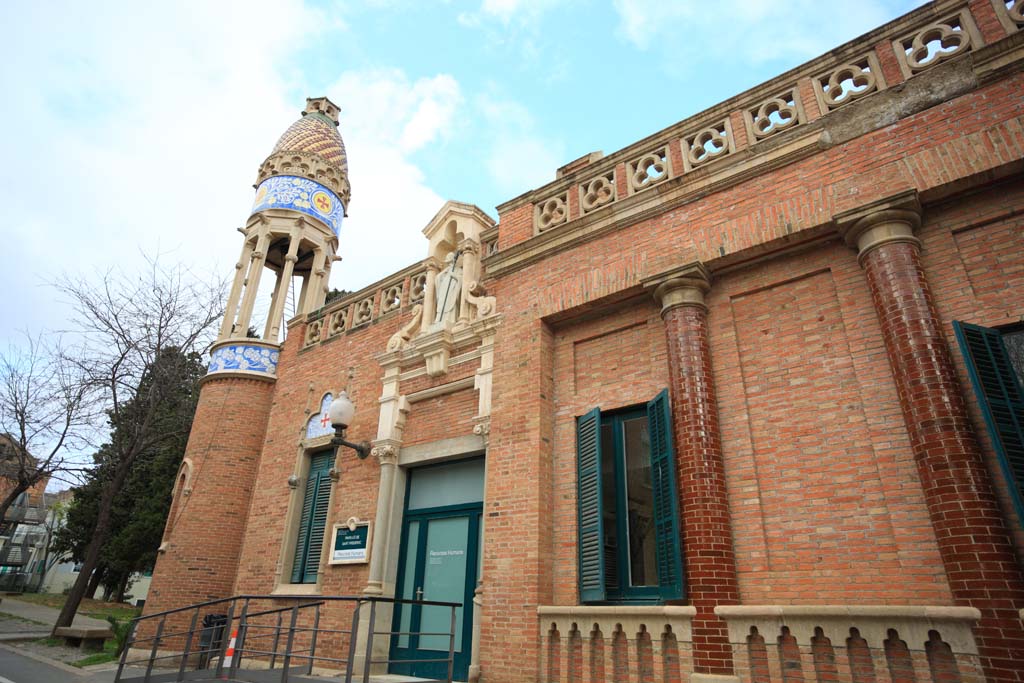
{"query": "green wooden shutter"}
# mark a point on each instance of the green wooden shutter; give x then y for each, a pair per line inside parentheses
(663, 479)
(310, 541)
(1001, 399)
(591, 531)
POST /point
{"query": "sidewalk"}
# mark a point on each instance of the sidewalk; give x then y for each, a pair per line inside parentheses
(27, 621)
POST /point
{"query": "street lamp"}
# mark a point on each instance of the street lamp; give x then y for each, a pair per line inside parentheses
(341, 413)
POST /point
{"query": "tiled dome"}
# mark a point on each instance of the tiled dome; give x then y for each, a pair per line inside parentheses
(312, 148)
(317, 133)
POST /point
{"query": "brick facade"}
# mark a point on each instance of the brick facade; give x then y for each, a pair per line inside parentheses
(840, 497)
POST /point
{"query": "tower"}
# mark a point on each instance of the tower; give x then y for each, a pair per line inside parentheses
(301, 192)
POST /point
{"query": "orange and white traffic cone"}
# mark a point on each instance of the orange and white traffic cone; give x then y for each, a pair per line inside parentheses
(229, 654)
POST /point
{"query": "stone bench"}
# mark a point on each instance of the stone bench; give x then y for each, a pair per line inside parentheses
(87, 639)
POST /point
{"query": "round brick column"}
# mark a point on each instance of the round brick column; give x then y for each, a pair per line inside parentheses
(969, 528)
(704, 506)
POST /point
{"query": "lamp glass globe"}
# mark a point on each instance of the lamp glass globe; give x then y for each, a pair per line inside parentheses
(342, 410)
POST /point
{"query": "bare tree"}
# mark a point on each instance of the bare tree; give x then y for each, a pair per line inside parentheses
(44, 417)
(134, 331)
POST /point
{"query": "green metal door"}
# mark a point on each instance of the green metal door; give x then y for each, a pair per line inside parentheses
(439, 561)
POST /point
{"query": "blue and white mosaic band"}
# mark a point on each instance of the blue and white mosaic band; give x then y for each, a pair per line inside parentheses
(302, 195)
(244, 358)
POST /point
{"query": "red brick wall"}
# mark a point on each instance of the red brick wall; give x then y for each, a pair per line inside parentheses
(203, 547)
(793, 546)
(972, 249)
(822, 483)
(609, 362)
(304, 377)
(518, 539)
(442, 417)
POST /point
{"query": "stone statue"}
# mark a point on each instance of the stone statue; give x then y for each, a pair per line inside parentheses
(448, 288)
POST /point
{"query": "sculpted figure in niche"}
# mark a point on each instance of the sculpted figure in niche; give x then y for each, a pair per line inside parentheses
(448, 288)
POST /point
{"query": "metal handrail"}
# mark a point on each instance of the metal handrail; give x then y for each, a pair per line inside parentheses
(222, 649)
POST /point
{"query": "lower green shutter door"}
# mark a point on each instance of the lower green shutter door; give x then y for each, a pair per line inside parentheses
(1001, 400)
(316, 532)
(310, 537)
(663, 479)
(591, 529)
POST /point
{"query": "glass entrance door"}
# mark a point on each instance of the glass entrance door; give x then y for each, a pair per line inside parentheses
(439, 561)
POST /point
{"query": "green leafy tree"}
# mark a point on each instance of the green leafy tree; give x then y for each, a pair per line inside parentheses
(139, 512)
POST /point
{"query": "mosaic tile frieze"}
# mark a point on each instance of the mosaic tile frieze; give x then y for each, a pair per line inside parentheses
(302, 195)
(242, 357)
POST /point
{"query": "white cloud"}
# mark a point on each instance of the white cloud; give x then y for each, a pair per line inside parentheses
(138, 129)
(142, 130)
(385, 118)
(519, 157)
(507, 11)
(754, 31)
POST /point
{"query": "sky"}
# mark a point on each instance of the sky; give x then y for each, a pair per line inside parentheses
(137, 128)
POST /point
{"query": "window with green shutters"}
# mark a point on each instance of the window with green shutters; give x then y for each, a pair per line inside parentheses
(310, 540)
(628, 519)
(995, 363)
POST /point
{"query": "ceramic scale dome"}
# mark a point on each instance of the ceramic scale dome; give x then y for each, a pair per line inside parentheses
(310, 150)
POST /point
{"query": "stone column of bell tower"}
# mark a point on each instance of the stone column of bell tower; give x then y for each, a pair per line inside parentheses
(301, 193)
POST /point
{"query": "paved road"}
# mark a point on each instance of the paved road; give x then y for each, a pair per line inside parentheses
(17, 668)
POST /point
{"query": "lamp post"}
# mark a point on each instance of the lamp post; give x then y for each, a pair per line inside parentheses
(341, 412)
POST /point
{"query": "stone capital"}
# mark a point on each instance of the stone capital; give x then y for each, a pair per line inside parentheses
(433, 264)
(469, 245)
(893, 219)
(684, 286)
(386, 451)
(482, 428)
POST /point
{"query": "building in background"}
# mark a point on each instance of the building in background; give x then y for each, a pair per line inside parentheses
(737, 401)
(23, 525)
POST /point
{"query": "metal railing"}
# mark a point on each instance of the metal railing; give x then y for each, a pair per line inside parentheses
(254, 638)
(29, 514)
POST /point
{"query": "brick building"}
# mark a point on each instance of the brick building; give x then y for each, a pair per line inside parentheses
(736, 401)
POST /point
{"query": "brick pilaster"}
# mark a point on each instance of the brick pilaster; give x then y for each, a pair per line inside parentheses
(704, 506)
(972, 537)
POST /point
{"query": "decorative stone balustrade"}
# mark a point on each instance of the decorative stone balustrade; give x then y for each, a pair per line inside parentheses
(916, 43)
(615, 644)
(360, 308)
(853, 643)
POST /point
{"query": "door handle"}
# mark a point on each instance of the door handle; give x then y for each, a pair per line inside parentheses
(419, 593)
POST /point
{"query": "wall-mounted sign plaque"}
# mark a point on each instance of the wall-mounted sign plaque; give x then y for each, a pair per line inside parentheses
(350, 543)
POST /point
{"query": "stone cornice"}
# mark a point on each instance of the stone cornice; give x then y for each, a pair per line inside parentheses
(441, 390)
(237, 374)
(843, 53)
(672, 193)
(878, 110)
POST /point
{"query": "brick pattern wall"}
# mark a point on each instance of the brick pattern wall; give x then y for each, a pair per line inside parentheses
(708, 552)
(825, 497)
(971, 249)
(442, 417)
(518, 540)
(971, 533)
(611, 362)
(204, 545)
